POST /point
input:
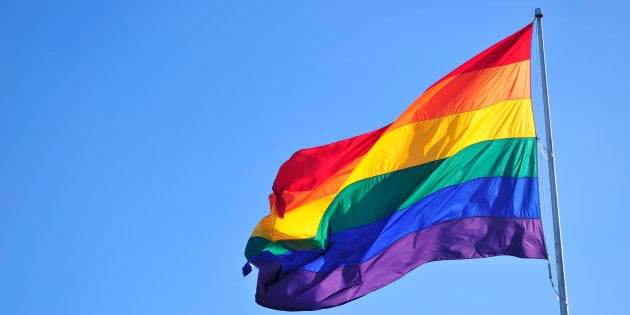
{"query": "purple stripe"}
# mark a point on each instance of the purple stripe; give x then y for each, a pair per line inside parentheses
(457, 239)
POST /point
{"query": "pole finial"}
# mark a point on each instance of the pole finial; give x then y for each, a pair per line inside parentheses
(538, 13)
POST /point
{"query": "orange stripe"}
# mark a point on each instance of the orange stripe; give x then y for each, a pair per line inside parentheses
(469, 91)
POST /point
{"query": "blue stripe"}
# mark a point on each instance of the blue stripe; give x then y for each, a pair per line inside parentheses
(491, 196)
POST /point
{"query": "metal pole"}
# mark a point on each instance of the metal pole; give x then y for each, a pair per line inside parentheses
(562, 288)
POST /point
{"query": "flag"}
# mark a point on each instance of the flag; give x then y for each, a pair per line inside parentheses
(453, 177)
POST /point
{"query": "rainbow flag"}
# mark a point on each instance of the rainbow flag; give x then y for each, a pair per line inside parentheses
(454, 177)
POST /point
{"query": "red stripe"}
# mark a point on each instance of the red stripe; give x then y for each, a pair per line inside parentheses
(511, 49)
(309, 168)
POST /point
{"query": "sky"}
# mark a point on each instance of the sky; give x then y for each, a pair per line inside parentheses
(139, 142)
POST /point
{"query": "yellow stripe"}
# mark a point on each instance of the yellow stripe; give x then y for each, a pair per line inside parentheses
(265, 227)
(443, 137)
(297, 224)
(432, 139)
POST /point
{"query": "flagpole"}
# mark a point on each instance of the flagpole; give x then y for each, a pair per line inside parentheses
(562, 288)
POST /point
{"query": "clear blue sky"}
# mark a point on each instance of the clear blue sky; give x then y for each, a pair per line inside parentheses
(139, 142)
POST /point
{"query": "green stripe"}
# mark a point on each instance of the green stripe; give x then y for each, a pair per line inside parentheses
(257, 244)
(372, 199)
